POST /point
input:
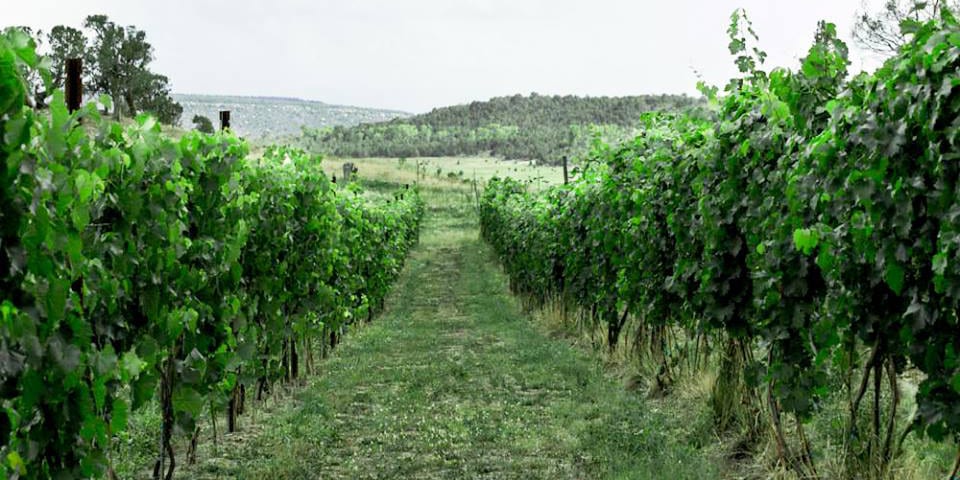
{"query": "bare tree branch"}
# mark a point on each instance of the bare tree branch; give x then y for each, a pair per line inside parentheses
(880, 31)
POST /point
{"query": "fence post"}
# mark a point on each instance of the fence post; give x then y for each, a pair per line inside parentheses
(566, 177)
(348, 170)
(224, 119)
(74, 85)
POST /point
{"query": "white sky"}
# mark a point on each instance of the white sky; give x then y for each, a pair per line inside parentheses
(414, 55)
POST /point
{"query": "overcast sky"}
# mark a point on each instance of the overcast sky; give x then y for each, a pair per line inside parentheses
(415, 55)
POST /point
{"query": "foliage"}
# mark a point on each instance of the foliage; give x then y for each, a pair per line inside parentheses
(543, 128)
(202, 124)
(116, 63)
(137, 267)
(811, 219)
(64, 42)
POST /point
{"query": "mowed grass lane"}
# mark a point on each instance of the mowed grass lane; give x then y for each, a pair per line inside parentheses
(452, 381)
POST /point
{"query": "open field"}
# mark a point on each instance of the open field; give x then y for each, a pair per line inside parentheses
(444, 172)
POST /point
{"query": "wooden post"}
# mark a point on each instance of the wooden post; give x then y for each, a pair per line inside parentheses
(224, 119)
(476, 193)
(74, 85)
(566, 176)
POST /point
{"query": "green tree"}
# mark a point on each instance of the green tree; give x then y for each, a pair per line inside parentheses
(153, 92)
(202, 124)
(64, 42)
(102, 58)
(118, 61)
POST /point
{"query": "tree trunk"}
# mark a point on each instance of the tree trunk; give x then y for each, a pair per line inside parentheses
(166, 409)
(294, 360)
(285, 360)
(233, 409)
(192, 450)
(213, 426)
(730, 390)
(956, 468)
(309, 349)
(783, 449)
(131, 108)
(614, 327)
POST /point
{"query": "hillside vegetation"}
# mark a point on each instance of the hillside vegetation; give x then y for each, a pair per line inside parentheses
(535, 127)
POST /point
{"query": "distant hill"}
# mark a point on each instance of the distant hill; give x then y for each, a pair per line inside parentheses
(555, 111)
(534, 127)
(275, 117)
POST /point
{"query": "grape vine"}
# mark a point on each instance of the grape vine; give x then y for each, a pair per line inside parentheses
(808, 223)
(139, 268)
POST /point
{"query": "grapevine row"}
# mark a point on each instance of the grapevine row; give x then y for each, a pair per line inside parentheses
(808, 221)
(137, 268)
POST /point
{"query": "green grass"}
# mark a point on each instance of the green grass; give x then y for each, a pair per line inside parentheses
(453, 381)
(392, 170)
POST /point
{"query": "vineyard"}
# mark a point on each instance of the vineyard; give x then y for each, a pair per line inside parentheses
(137, 268)
(768, 283)
(801, 238)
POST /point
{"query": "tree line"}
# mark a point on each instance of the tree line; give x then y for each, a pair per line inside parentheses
(534, 127)
(116, 62)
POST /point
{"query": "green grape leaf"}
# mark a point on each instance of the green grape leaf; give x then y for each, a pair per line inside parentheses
(806, 239)
(894, 277)
(118, 415)
(85, 183)
(11, 90)
(56, 300)
(130, 366)
(99, 393)
(187, 400)
(939, 263)
(16, 463)
(143, 388)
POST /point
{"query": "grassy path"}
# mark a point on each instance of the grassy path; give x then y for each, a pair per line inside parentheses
(452, 381)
